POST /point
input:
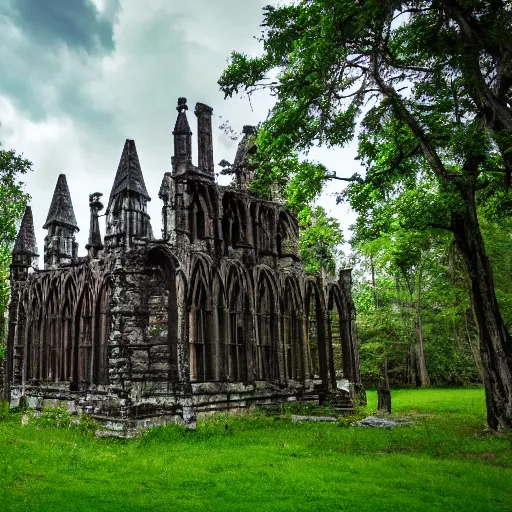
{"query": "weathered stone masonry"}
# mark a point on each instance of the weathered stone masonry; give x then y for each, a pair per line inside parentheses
(216, 314)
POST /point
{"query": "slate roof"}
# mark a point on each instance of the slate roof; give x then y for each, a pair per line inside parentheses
(26, 240)
(61, 209)
(129, 174)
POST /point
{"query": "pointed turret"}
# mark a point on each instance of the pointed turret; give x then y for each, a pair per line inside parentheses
(60, 245)
(129, 174)
(127, 206)
(61, 210)
(182, 137)
(25, 248)
(94, 244)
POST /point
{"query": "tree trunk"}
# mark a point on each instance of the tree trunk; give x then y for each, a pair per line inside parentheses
(420, 354)
(473, 346)
(495, 345)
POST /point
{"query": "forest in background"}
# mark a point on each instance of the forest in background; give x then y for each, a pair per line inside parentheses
(414, 309)
(426, 89)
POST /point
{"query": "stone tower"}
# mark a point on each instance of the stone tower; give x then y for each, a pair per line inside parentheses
(127, 216)
(59, 244)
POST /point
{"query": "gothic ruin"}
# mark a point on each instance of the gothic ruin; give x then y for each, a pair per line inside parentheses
(216, 314)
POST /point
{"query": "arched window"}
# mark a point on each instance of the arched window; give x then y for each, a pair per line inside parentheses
(334, 332)
(292, 332)
(68, 332)
(101, 327)
(238, 332)
(85, 339)
(287, 239)
(200, 334)
(316, 335)
(199, 220)
(165, 315)
(50, 338)
(266, 353)
(32, 342)
(233, 221)
(266, 230)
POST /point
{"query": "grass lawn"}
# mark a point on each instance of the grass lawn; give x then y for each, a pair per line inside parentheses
(447, 461)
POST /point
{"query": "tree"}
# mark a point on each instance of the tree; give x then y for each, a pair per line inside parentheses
(12, 205)
(430, 84)
(319, 238)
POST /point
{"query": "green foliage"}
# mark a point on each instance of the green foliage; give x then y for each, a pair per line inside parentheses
(257, 463)
(413, 270)
(12, 204)
(4, 410)
(320, 237)
(50, 418)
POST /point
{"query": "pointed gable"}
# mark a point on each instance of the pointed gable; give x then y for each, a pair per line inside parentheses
(129, 174)
(61, 209)
(26, 240)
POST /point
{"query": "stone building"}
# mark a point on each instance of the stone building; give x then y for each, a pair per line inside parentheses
(216, 314)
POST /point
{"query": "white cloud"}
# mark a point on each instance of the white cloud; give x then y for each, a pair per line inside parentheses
(77, 110)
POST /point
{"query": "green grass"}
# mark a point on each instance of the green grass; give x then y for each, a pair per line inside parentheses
(447, 461)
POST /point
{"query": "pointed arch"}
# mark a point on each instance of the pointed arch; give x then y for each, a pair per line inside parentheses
(33, 332)
(266, 356)
(234, 221)
(287, 238)
(200, 325)
(68, 328)
(201, 213)
(240, 325)
(315, 327)
(166, 315)
(83, 350)
(292, 321)
(340, 330)
(50, 333)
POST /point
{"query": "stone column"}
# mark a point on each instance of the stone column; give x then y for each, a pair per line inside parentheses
(204, 135)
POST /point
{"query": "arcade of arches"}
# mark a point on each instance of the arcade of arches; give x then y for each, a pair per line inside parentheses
(216, 313)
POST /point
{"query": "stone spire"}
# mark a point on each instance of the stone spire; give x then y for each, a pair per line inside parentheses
(59, 244)
(61, 210)
(127, 215)
(204, 136)
(25, 248)
(182, 136)
(129, 174)
(95, 244)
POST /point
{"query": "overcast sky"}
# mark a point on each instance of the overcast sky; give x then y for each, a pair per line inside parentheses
(78, 77)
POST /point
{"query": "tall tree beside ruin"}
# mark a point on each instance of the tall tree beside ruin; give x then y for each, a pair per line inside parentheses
(12, 204)
(430, 83)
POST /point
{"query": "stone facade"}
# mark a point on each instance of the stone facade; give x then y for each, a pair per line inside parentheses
(216, 314)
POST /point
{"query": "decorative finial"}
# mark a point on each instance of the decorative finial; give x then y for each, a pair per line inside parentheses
(182, 104)
(249, 130)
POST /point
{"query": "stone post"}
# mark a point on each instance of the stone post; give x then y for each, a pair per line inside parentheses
(204, 136)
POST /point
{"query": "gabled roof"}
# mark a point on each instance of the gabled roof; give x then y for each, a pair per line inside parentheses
(129, 174)
(61, 209)
(26, 240)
